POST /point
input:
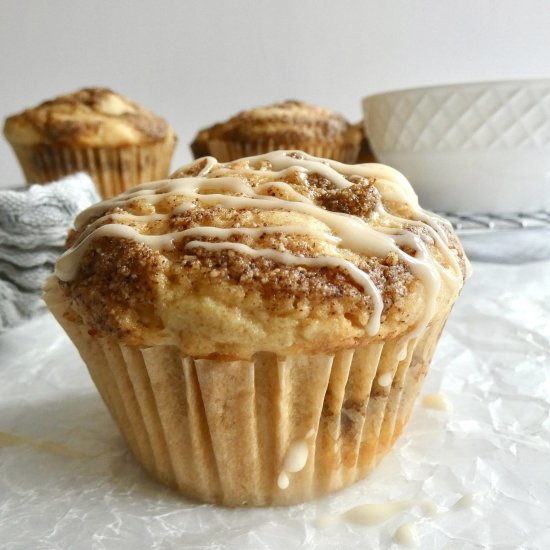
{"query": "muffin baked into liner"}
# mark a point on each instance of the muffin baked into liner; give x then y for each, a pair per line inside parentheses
(259, 330)
(223, 431)
(112, 169)
(282, 126)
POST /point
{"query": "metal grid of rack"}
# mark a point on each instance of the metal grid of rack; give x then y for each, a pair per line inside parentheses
(474, 223)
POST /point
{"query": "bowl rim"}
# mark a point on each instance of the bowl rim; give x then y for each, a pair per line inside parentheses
(472, 84)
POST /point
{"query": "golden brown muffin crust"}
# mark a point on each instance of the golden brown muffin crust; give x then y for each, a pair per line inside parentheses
(288, 122)
(222, 302)
(87, 118)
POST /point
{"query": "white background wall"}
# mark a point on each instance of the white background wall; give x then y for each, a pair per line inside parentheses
(198, 62)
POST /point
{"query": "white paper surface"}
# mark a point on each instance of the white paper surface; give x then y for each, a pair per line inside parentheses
(73, 484)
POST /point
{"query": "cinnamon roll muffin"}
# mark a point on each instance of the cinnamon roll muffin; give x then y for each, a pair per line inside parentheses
(288, 125)
(259, 329)
(95, 130)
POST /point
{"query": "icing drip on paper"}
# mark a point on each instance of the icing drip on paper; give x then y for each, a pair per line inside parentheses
(53, 447)
(378, 513)
(407, 535)
(375, 513)
(465, 501)
(437, 401)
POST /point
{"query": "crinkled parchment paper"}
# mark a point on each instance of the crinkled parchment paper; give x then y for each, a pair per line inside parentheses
(67, 480)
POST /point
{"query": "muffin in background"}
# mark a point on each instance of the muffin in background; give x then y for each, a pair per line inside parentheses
(95, 130)
(281, 126)
(259, 329)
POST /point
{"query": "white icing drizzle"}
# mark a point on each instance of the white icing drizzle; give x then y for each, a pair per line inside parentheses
(373, 514)
(333, 170)
(407, 535)
(385, 379)
(283, 481)
(440, 239)
(359, 276)
(430, 508)
(404, 349)
(423, 268)
(295, 459)
(296, 456)
(467, 500)
(167, 240)
(326, 521)
(346, 231)
(68, 263)
(285, 188)
(152, 192)
(354, 233)
(437, 401)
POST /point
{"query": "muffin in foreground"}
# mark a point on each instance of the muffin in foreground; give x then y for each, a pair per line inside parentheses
(259, 329)
(95, 130)
(287, 125)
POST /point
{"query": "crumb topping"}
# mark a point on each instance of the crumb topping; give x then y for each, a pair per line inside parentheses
(184, 268)
(288, 122)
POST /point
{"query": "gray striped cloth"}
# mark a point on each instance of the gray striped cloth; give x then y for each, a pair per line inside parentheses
(34, 222)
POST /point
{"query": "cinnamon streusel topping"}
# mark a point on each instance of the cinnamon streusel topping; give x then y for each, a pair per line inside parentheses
(281, 252)
(287, 122)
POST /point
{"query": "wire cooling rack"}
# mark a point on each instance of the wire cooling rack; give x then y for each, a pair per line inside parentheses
(481, 223)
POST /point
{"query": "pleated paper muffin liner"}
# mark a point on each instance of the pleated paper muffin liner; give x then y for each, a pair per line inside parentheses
(272, 431)
(113, 169)
(226, 151)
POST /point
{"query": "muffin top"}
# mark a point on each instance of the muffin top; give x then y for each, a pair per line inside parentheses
(281, 252)
(282, 123)
(91, 117)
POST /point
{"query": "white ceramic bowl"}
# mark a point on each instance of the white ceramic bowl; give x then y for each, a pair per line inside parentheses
(482, 147)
